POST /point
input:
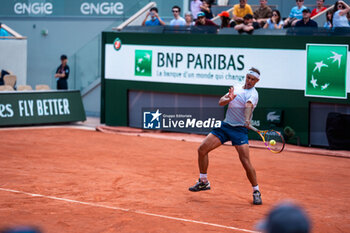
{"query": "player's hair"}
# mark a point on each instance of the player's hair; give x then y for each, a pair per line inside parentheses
(63, 57)
(255, 70)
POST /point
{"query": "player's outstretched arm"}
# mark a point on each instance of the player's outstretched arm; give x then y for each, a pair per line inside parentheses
(248, 113)
(228, 97)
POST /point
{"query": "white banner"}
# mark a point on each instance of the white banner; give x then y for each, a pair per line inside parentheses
(280, 68)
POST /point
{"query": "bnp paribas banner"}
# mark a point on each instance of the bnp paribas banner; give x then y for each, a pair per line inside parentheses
(38, 107)
(326, 74)
(280, 68)
(204, 65)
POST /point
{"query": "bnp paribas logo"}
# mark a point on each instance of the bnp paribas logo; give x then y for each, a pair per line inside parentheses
(326, 70)
(143, 62)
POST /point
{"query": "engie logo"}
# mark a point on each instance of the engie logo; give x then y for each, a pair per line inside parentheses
(143, 63)
(104, 8)
(33, 8)
(117, 44)
(151, 120)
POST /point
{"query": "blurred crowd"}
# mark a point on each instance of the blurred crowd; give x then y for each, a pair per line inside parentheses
(243, 19)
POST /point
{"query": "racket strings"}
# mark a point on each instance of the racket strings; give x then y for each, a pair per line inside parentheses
(277, 138)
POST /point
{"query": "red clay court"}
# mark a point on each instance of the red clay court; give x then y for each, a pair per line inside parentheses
(73, 180)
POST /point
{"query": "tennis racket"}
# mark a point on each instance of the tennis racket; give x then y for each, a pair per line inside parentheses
(272, 139)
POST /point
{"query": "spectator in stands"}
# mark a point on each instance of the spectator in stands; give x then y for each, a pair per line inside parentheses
(306, 21)
(275, 22)
(178, 20)
(3, 32)
(225, 19)
(240, 10)
(263, 13)
(286, 218)
(320, 7)
(206, 8)
(155, 19)
(295, 14)
(202, 21)
(339, 14)
(195, 8)
(328, 24)
(62, 74)
(189, 19)
(248, 25)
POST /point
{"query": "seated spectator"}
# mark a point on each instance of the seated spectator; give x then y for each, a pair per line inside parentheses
(263, 13)
(306, 21)
(320, 8)
(189, 19)
(240, 10)
(195, 8)
(3, 32)
(295, 14)
(275, 22)
(202, 21)
(225, 19)
(328, 24)
(339, 14)
(248, 25)
(155, 19)
(206, 8)
(178, 20)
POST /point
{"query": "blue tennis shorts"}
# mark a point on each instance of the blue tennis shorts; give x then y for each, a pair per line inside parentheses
(238, 135)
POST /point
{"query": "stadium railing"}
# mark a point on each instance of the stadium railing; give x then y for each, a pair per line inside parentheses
(15, 35)
(137, 18)
(320, 18)
(85, 75)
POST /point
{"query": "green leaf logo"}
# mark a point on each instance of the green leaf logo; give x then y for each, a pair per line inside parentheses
(326, 70)
(143, 63)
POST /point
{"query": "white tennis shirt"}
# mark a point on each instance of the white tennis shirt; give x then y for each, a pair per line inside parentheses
(235, 110)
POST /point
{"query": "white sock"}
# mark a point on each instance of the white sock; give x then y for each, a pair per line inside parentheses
(203, 176)
(256, 188)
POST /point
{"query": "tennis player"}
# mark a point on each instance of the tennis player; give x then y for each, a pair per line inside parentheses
(241, 103)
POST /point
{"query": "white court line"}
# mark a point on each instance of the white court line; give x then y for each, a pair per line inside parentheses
(126, 210)
(83, 127)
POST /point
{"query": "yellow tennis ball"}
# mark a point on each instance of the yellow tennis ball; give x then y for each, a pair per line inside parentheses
(272, 142)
